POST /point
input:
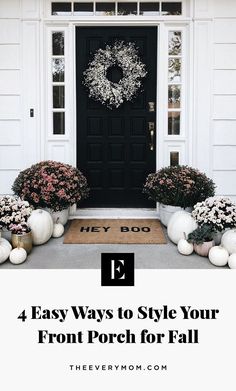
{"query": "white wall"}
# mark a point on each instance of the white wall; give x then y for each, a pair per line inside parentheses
(215, 92)
(23, 139)
(19, 88)
(10, 89)
(224, 97)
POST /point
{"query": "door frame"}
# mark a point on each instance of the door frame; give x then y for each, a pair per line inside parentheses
(123, 24)
(153, 154)
(63, 147)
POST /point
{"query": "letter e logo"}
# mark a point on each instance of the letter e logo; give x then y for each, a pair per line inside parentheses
(117, 269)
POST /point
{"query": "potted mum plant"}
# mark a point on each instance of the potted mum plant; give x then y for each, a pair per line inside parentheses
(14, 214)
(219, 213)
(176, 188)
(52, 185)
(202, 240)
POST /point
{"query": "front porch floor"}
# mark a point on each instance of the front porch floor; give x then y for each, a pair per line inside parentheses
(56, 255)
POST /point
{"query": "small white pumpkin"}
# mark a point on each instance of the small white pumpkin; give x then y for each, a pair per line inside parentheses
(179, 223)
(4, 242)
(232, 261)
(58, 230)
(41, 225)
(184, 247)
(18, 256)
(4, 253)
(218, 256)
(228, 241)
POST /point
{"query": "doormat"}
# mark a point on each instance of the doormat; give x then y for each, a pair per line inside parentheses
(115, 231)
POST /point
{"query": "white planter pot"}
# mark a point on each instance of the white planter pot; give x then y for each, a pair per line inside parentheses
(166, 211)
(59, 217)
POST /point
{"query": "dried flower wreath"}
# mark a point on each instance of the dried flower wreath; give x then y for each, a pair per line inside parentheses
(105, 91)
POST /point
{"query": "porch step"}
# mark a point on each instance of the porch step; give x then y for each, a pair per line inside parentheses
(114, 213)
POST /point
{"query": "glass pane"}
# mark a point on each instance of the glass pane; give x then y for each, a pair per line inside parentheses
(58, 123)
(174, 70)
(171, 8)
(174, 158)
(58, 69)
(83, 9)
(175, 46)
(61, 9)
(58, 97)
(127, 8)
(105, 9)
(173, 97)
(149, 9)
(58, 43)
(173, 122)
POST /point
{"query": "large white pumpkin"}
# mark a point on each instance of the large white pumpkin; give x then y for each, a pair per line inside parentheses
(218, 256)
(181, 223)
(228, 241)
(4, 253)
(4, 242)
(41, 225)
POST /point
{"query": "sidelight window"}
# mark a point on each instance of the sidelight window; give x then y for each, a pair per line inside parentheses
(58, 81)
(176, 113)
(175, 74)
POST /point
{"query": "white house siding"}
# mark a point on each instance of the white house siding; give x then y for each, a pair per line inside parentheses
(19, 90)
(25, 140)
(214, 102)
(10, 89)
(224, 97)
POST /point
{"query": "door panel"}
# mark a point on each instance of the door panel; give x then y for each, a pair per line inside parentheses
(113, 148)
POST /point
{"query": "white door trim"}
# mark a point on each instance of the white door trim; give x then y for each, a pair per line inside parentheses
(164, 142)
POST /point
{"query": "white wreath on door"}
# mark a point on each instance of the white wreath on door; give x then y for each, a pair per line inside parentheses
(105, 91)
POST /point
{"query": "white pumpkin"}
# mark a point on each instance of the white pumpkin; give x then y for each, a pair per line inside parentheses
(18, 256)
(4, 242)
(232, 261)
(218, 256)
(184, 247)
(228, 241)
(41, 225)
(58, 230)
(181, 222)
(4, 253)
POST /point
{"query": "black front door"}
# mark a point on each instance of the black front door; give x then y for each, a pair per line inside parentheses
(116, 148)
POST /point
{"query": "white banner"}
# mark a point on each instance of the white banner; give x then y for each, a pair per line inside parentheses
(61, 330)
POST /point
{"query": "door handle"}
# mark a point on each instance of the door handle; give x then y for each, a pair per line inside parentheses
(151, 107)
(151, 130)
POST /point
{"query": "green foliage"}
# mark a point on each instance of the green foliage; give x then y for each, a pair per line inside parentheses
(201, 234)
